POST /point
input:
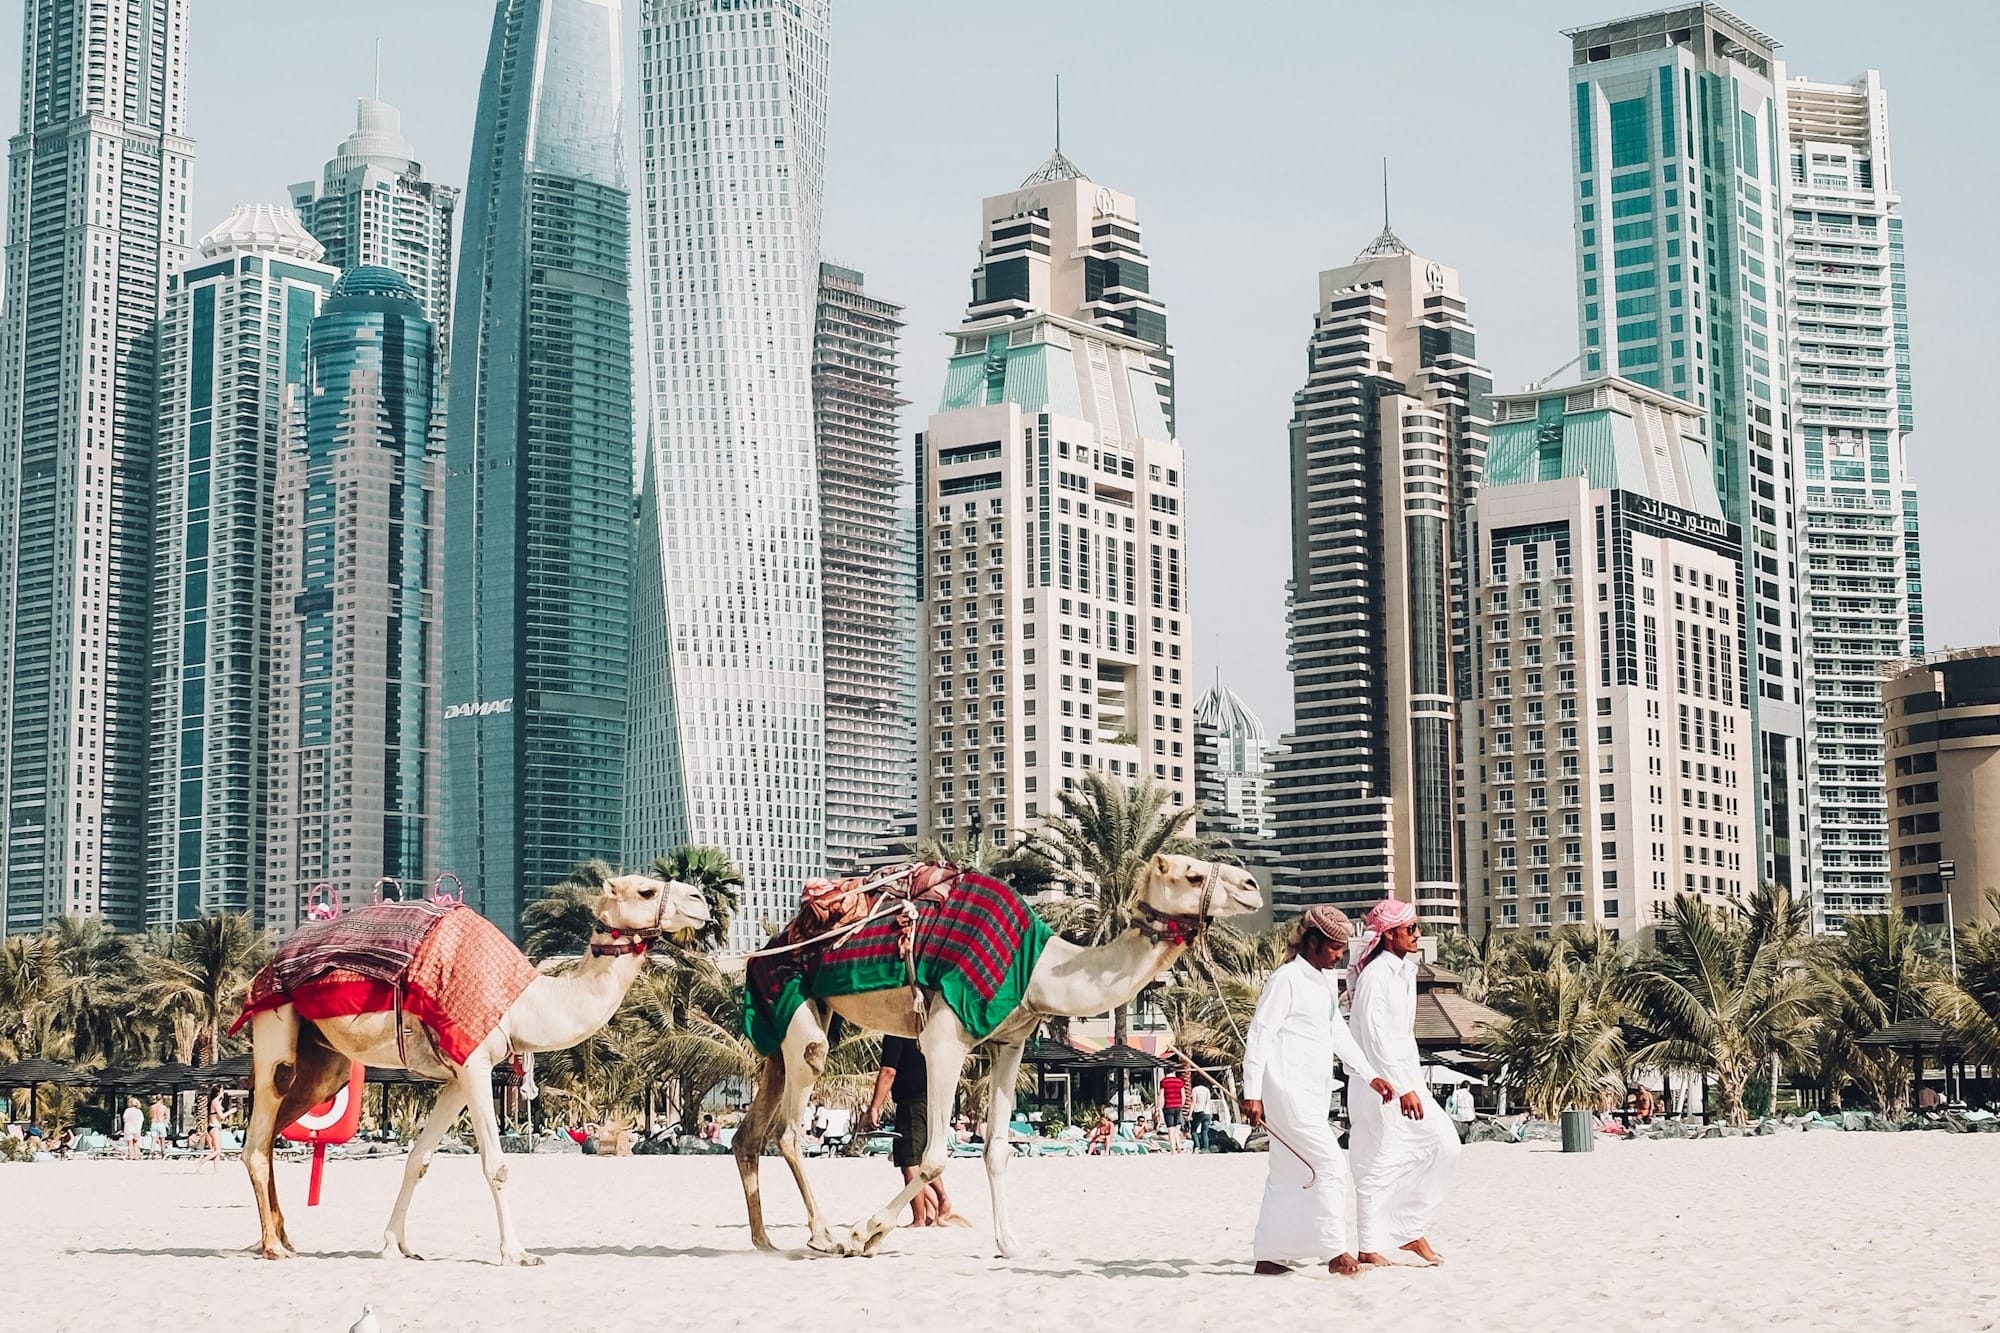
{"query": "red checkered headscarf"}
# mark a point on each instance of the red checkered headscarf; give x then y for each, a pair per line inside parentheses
(1383, 917)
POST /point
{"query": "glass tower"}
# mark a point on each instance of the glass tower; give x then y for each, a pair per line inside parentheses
(97, 217)
(1677, 163)
(538, 455)
(870, 737)
(232, 365)
(353, 713)
(1388, 443)
(728, 694)
(1862, 585)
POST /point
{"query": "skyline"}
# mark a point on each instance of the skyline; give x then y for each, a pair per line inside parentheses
(1250, 112)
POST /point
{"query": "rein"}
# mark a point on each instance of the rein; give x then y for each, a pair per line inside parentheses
(889, 907)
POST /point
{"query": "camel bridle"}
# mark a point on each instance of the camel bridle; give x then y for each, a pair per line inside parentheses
(623, 940)
(1182, 930)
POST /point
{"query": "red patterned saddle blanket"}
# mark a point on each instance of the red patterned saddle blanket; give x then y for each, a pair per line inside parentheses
(452, 970)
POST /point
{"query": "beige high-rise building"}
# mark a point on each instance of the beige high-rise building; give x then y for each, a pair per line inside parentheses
(1609, 731)
(1051, 531)
(1943, 719)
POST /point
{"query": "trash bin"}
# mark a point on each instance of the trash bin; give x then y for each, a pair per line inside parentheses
(1578, 1131)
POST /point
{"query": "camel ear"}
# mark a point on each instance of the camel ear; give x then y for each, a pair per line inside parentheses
(1161, 865)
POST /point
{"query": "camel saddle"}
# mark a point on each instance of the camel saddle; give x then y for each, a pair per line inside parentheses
(828, 905)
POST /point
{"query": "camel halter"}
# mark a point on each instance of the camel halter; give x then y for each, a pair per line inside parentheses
(1181, 930)
(624, 941)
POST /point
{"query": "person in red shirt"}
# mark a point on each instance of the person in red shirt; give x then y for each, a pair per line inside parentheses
(1173, 1105)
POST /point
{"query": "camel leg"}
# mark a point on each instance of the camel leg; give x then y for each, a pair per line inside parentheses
(295, 1070)
(274, 1045)
(999, 1142)
(748, 1147)
(475, 1082)
(450, 1102)
(945, 1046)
(804, 1061)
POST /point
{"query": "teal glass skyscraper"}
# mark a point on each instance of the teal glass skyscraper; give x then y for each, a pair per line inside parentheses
(539, 446)
(1676, 126)
(353, 698)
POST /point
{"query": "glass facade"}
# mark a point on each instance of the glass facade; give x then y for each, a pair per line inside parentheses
(354, 723)
(728, 691)
(1681, 288)
(232, 365)
(97, 204)
(539, 448)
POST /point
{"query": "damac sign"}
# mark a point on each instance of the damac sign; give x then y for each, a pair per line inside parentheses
(485, 709)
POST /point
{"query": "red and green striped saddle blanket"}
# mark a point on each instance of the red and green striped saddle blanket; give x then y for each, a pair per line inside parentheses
(976, 948)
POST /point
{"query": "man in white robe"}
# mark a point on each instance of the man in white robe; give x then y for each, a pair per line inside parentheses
(1288, 1087)
(1405, 1151)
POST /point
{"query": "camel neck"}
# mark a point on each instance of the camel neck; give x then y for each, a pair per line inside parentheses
(1077, 981)
(578, 1002)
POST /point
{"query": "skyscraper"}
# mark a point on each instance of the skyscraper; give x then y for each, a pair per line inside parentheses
(1388, 440)
(372, 205)
(1678, 177)
(232, 370)
(728, 695)
(870, 732)
(1052, 529)
(1862, 581)
(1607, 733)
(97, 217)
(538, 502)
(353, 770)
(1233, 760)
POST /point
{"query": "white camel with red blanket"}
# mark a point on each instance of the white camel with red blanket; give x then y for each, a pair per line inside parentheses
(966, 995)
(433, 988)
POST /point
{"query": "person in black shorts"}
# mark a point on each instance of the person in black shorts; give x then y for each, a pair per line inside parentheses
(905, 1079)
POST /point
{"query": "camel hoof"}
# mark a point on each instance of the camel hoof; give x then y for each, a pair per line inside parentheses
(521, 1259)
(276, 1252)
(1008, 1249)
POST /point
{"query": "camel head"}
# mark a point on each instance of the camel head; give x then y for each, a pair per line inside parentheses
(1179, 895)
(641, 908)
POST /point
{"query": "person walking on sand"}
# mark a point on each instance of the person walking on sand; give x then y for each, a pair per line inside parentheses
(1287, 1087)
(1173, 1104)
(158, 1132)
(905, 1077)
(1404, 1154)
(1199, 1102)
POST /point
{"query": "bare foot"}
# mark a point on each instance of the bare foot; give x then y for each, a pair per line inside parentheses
(1422, 1249)
(1370, 1259)
(1344, 1265)
(1265, 1268)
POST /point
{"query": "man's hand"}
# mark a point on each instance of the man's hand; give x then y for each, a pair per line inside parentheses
(1382, 1089)
(871, 1118)
(1253, 1111)
(1413, 1106)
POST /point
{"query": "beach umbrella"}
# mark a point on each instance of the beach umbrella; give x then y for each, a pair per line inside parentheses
(1911, 1037)
(1450, 1077)
(32, 1074)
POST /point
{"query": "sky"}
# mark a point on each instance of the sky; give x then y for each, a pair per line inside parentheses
(1252, 137)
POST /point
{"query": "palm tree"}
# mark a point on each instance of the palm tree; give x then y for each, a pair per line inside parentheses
(560, 923)
(30, 979)
(1718, 1000)
(1098, 844)
(199, 972)
(1968, 1005)
(1562, 1036)
(688, 1032)
(1876, 973)
(721, 883)
(96, 971)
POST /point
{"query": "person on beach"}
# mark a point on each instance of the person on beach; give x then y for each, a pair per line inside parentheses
(1404, 1154)
(158, 1132)
(905, 1078)
(1200, 1099)
(1173, 1105)
(1099, 1140)
(134, 1124)
(1288, 1086)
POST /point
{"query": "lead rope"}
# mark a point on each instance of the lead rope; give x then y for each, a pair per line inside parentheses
(895, 906)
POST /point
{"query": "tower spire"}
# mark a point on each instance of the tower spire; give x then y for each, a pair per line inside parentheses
(378, 69)
(1058, 167)
(1388, 243)
(1058, 115)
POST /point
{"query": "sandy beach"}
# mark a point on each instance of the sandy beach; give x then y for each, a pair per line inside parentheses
(1831, 1231)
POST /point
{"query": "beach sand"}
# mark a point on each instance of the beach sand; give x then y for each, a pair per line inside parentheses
(1826, 1232)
